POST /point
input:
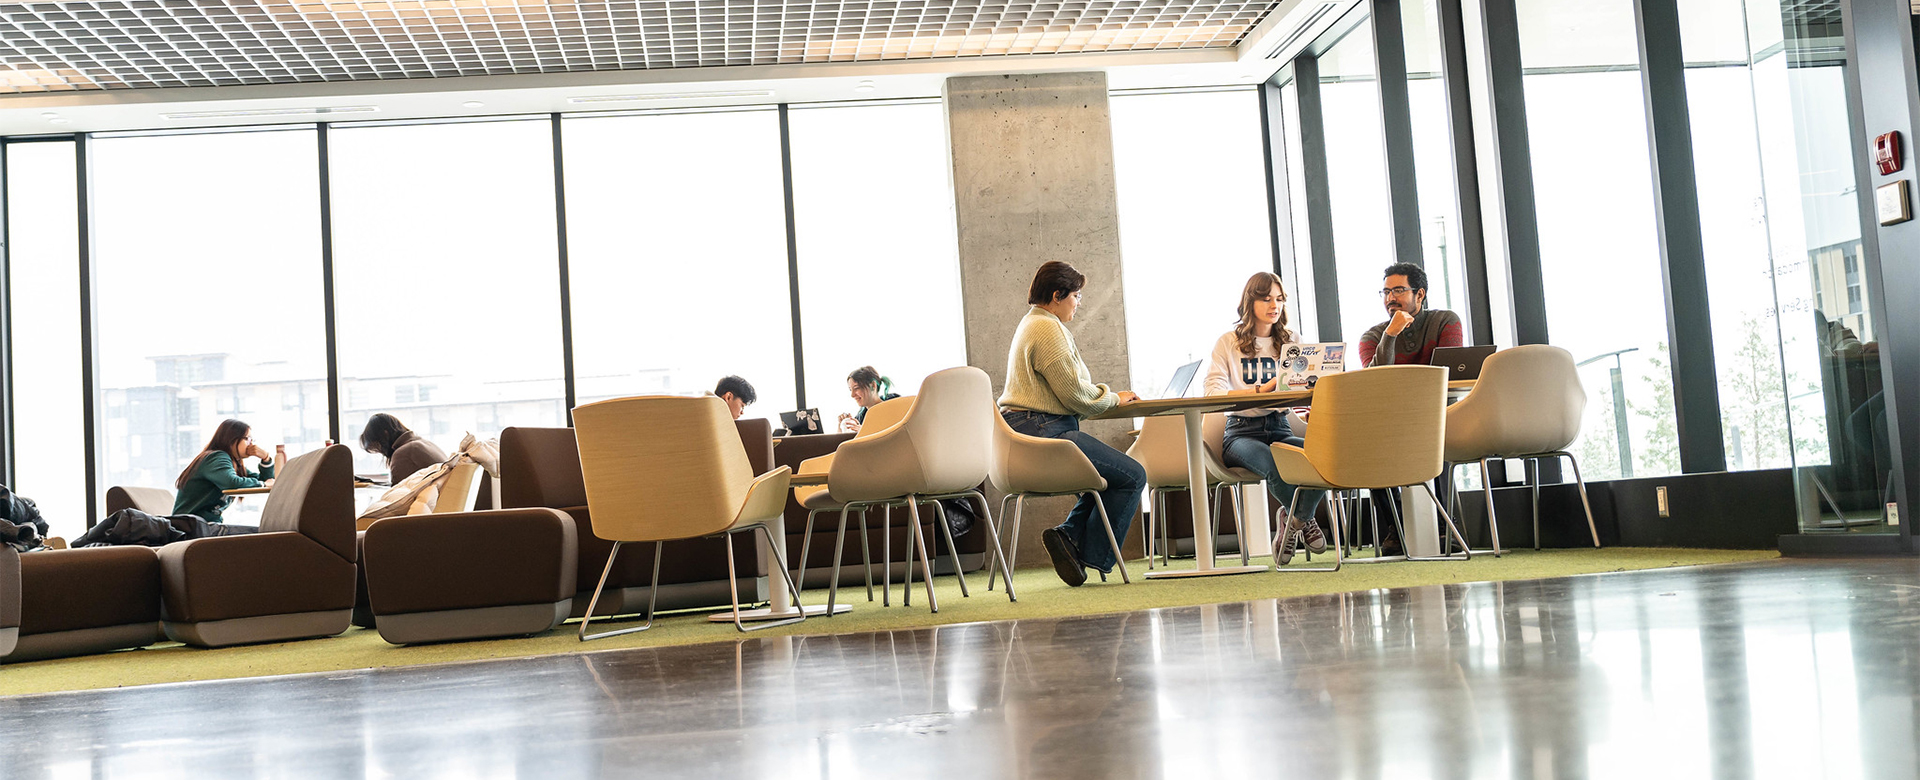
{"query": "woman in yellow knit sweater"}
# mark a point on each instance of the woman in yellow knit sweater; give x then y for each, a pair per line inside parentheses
(1048, 392)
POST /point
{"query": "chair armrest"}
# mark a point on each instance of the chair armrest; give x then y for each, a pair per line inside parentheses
(252, 575)
(766, 497)
(863, 468)
(1294, 467)
(816, 465)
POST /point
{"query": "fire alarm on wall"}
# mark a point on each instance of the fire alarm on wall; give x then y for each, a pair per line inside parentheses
(1886, 152)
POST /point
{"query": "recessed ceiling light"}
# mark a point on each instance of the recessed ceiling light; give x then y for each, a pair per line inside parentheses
(49, 114)
(270, 112)
(473, 104)
(59, 121)
(671, 96)
(864, 86)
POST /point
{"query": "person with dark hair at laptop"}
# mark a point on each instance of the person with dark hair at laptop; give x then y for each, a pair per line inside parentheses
(1247, 358)
(736, 392)
(1412, 331)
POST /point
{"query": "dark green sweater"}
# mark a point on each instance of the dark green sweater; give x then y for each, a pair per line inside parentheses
(202, 494)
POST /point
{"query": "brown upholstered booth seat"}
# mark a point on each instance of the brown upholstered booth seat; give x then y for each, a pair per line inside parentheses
(468, 575)
(791, 451)
(9, 600)
(153, 501)
(92, 600)
(293, 580)
(540, 467)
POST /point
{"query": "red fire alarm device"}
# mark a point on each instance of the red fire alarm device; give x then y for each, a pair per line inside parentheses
(1886, 151)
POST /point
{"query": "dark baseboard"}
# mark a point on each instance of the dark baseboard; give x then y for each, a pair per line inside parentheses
(1845, 545)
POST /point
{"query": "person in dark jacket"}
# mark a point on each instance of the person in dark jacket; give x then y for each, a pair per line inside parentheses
(406, 452)
(221, 467)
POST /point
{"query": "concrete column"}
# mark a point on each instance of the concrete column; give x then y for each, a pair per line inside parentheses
(1033, 181)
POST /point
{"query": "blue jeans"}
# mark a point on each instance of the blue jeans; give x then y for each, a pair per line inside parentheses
(1248, 446)
(1125, 479)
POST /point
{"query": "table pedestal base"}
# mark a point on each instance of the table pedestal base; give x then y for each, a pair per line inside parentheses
(1213, 572)
(756, 615)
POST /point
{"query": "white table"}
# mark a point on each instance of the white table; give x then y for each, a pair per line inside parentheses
(780, 604)
(1193, 409)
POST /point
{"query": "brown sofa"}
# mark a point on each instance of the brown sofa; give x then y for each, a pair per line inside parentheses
(540, 467)
(153, 501)
(792, 450)
(292, 580)
(469, 575)
(77, 602)
(9, 600)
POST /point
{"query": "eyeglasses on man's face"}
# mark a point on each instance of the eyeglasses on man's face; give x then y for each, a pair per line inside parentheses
(1395, 292)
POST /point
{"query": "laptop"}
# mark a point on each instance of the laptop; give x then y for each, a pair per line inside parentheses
(1461, 362)
(1302, 365)
(1182, 379)
(802, 422)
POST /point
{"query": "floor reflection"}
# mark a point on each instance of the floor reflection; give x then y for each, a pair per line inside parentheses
(1782, 669)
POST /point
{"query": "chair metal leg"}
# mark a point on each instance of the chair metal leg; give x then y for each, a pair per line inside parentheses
(1013, 534)
(1107, 525)
(1407, 548)
(806, 542)
(886, 556)
(1152, 516)
(733, 580)
(1486, 489)
(839, 549)
(866, 553)
(993, 537)
(953, 550)
(1166, 532)
(1466, 553)
(1533, 477)
(1373, 515)
(993, 571)
(918, 542)
(1591, 528)
(1453, 499)
(1336, 505)
(652, 595)
(1239, 521)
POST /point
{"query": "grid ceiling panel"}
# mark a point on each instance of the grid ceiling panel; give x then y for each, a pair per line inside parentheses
(134, 44)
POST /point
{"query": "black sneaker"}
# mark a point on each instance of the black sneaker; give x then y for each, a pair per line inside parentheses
(1065, 562)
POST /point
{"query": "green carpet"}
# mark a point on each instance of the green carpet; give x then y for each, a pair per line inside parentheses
(1042, 595)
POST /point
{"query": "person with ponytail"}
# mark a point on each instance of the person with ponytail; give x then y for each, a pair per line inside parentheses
(220, 467)
(868, 389)
(1247, 358)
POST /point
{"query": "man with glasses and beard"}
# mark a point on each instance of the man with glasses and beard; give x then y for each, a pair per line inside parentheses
(1412, 330)
(1408, 337)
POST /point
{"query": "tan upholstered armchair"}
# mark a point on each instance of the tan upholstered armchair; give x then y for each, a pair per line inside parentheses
(1527, 404)
(660, 468)
(1376, 428)
(292, 580)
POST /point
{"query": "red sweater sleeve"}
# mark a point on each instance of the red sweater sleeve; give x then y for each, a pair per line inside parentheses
(1367, 347)
(1450, 336)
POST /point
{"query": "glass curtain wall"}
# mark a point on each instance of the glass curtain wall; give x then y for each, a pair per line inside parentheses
(1794, 340)
(1599, 251)
(43, 284)
(1356, 181)
(1307, 323)
(204, 314)
(879, 261)
(677, 255)
(1194, 219)
(446, 278)
(1433, 160)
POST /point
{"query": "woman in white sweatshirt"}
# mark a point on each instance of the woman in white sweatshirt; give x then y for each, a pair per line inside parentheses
(1248, 358)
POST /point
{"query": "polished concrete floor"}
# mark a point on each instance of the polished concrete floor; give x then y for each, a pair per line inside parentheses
(1792, 669)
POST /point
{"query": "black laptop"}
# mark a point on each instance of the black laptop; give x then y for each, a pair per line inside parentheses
(1461, 362)
(802, 422)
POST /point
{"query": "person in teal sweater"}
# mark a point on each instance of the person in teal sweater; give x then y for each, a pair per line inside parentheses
(220, 467)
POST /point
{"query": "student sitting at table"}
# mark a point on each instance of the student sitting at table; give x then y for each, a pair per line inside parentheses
(1247, 358)
(1412, 331)
(737, 392)
(221, 467)
(1049, 392)
(406, 452)
(868, 389)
